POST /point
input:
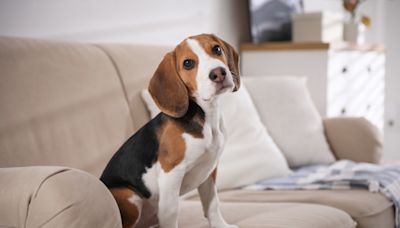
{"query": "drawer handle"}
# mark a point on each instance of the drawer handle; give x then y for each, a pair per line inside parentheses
(344, 70)
(343, 111)
(368, 107)
(369, 69)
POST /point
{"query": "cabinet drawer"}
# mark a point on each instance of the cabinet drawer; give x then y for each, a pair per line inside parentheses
(356, 85)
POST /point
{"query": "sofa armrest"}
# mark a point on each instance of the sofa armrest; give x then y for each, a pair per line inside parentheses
(45, 196)
(354, 139)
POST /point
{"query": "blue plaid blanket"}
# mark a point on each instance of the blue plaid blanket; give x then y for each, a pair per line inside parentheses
(342, 174)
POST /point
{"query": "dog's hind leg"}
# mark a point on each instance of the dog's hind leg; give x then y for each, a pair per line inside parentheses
(129, 204)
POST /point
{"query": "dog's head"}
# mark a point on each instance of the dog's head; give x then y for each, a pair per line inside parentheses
(200, 67)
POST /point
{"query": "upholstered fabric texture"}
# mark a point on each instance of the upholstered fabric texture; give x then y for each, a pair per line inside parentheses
(368, 209)
(354, 139)
(277, 215)
(135, 65)
(49, 196)
(61, 104)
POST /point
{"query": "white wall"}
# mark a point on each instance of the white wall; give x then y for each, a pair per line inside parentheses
(150, 21)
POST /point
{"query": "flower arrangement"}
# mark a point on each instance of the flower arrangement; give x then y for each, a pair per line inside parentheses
(351, 7)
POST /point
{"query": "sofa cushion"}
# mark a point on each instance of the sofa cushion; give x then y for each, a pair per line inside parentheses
(136, 64)
(277, 215)
(61, 104)
(250, 154)
(48, 196)
(286, 108)
(367, 209)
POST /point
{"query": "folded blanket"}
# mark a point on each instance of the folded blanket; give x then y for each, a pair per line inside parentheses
(341, 175)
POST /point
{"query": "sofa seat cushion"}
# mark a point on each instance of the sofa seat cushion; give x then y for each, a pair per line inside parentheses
(253, 215)
(49, 196)
(366, 208)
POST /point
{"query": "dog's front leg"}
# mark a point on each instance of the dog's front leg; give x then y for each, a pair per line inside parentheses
(168, 204)
(209, 199)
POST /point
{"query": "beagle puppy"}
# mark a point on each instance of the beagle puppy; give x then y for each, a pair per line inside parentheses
(178, 150)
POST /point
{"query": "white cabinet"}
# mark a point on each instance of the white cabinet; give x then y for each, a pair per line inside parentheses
(344, 80)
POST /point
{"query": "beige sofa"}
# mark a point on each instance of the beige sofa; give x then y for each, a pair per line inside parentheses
(72, 105)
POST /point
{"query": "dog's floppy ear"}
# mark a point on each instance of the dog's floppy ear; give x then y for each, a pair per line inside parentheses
(233, 63)
(167, 88)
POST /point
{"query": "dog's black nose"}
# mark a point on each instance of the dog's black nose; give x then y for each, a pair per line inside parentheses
(218, 74)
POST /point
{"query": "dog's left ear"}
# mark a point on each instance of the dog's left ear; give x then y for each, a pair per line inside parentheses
(167, 88)
(233, 63)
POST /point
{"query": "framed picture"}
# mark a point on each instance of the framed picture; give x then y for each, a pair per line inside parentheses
(270, 20)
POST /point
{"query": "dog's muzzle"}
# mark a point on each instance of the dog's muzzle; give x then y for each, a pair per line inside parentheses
(217, 75)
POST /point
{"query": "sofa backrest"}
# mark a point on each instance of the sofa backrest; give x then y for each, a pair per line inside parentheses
(135, 64)
(64, 104)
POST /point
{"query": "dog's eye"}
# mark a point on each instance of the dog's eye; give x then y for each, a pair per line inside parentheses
(188, 64)
(216, 50)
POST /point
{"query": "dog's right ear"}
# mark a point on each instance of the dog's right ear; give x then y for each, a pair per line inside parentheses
(167, 88)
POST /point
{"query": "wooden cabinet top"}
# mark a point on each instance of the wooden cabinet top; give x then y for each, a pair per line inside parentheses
(285, 46)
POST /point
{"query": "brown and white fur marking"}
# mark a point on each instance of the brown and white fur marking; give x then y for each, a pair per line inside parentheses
(179, 149)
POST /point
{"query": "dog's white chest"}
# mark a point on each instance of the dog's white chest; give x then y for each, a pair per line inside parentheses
(202, 155)
(214, 136)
